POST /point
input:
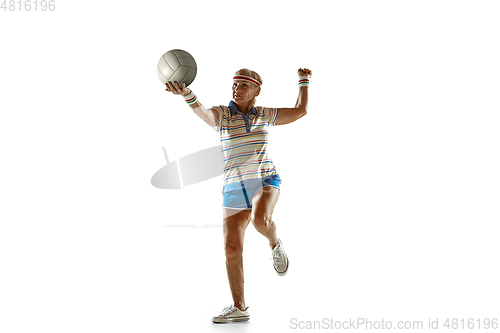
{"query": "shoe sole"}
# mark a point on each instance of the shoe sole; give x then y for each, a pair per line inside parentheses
(218, 320)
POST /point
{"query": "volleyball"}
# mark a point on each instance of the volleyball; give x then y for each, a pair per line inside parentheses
(177, 65)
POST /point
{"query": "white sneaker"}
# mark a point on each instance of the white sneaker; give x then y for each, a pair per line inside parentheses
(231, 313)
(280, 260)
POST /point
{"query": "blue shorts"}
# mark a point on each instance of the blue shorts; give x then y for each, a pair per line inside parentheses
(241, 199)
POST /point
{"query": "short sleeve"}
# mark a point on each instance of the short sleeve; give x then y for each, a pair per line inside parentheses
(218, 121)
(270, 115)
(273, 116)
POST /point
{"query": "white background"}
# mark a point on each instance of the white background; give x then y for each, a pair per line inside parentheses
(389, 204)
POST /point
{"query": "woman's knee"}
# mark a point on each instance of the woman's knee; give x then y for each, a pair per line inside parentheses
(233, 250)
(261, 222)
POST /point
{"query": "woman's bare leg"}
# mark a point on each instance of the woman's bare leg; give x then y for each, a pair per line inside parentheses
(263, 204)
(234, 226)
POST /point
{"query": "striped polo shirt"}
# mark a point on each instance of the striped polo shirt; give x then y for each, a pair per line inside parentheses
(244, 144)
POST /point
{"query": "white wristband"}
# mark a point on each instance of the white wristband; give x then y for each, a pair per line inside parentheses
(191, 98)
(303, 81)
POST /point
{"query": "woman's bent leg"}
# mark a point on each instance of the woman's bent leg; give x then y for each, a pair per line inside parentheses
(263, 204)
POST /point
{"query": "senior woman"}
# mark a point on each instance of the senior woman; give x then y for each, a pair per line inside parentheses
(251, 184)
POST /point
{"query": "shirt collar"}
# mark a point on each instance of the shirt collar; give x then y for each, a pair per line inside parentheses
(234, 110)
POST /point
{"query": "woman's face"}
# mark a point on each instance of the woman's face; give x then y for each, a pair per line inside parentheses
(244, 91)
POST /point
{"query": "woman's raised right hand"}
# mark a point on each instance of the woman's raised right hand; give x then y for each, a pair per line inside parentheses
(176, 90)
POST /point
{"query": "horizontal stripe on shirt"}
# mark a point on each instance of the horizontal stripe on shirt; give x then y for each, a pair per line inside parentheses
(244, 141)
